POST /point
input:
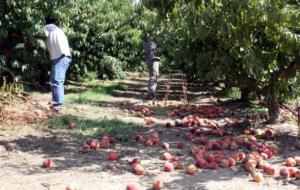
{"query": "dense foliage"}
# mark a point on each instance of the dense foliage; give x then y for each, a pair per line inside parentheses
(251, 44)
(96, 29)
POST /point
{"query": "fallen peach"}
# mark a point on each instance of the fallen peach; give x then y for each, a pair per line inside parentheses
(191, 169)
(165, 146)
(257, 177)
(270, 170)
(284, 172)
(157, 184)
(112, 156)
(94, 145)
(213, 165)
(72, 186)
(48, 164)
(149, 142)
(290, 162)
(202, 163)
(138, 169)
(250, 165)
(264, 155)
(210, 158)
(177, 164)
(297, 159)
(234, 146)
(139, 138)
(135, 161)
(168, 167)
(292, 172)
(72, 126)
(132, 186)
(297, 174)
(86, 148)
(224, 163)
(166, 156)
(232, 162)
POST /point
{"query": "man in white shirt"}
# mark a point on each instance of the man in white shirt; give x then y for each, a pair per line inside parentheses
(59, 51)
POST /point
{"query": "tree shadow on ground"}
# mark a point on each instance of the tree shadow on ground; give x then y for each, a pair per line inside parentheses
(64, 148)
(137, 89)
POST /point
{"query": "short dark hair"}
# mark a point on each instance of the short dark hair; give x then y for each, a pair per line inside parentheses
(51, 20)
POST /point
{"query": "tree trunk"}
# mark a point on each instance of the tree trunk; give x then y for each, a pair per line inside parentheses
(273, 106)
(245, 95)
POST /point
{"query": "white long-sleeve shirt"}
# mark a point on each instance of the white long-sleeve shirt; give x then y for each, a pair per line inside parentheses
(57, 42)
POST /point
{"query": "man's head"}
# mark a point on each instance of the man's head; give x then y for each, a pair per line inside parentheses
(51, 20)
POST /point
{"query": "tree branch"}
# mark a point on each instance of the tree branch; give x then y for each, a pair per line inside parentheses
(293, 67)
(247, 82)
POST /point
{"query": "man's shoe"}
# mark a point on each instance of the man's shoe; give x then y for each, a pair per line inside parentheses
(57, 109)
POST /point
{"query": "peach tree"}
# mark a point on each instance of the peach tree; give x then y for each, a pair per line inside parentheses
(96, 29)
(252, 44)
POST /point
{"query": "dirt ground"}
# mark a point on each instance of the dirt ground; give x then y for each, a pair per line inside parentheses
(28, 145)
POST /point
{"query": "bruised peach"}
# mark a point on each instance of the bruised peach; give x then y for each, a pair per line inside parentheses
(86, 148)
(177, 164)
(269, 133)
(168, 167)
(139, 138)
(149, 142)
(138, 169)
(48, 164)
(165, 146)
(166, 156)
(135, 161)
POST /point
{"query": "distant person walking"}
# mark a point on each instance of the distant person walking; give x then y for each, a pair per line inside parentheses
(153, 67)
(60, 56)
